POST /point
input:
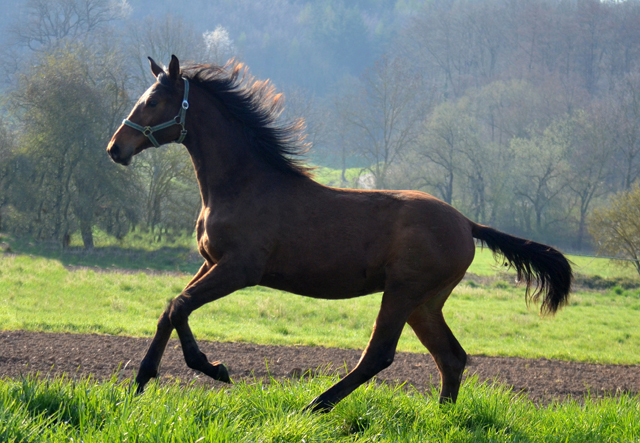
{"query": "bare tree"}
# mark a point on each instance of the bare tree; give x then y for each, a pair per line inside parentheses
(440, 147)
(7, 147)
(159, 39)
(540, 177)
(47, 23)
(384, 114)
(589, 159)
(625, 108)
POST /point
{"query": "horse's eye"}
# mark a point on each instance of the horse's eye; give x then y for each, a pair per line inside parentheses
(152, 103)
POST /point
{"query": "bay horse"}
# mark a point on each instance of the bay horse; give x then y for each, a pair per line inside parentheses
(264, 221)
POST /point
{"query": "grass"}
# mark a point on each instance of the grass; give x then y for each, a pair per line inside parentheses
(38, 293)
(333, 177)
(492, 319)
(136, 251)
(33, 410)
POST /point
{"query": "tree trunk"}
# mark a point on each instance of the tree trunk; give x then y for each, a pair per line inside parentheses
(87, 234)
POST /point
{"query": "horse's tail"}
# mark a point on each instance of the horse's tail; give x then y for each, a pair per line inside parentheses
(534, 262)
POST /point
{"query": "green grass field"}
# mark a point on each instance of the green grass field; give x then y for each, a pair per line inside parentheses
(86, 411)
(491, 319)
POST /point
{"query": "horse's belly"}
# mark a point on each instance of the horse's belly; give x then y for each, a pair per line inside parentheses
(339, 284)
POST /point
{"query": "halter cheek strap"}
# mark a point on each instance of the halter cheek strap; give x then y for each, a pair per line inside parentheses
(179, 119)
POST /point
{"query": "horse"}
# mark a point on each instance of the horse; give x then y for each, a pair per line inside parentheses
(265, 221)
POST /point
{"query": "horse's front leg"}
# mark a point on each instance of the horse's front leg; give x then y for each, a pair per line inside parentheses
(227, 276)
(216, 282)
(151, 361)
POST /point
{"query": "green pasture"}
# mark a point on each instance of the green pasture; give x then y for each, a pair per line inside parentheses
(488, 318)
(487, 313)
(59, 410)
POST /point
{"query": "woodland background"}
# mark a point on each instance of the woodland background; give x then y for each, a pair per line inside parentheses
(525, 115)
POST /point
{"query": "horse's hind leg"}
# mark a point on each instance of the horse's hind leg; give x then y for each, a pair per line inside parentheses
(377, 356)
(151, 361)
(429, 325)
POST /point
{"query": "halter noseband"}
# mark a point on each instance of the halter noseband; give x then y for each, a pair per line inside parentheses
(179, 119)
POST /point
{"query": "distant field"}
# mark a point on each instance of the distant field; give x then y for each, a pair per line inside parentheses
(40, 294)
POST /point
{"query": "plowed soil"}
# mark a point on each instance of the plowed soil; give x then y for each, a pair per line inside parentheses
(101, 356)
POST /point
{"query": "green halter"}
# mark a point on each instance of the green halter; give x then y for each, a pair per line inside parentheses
(179, 119)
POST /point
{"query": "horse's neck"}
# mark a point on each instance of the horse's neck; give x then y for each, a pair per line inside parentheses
(217, 174)
(213, 144)
(224, 164)
(224, 168)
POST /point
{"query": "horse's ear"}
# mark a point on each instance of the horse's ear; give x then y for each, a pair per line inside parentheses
(157, 70)
(174, 68)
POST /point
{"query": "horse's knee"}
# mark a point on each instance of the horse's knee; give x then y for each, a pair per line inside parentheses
(164, 321)
(177, 314)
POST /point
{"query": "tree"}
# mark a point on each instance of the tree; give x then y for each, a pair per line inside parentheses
(625, 107)
(219, 45)
(384, 114)
(441, 147)
(616, 228)
(6, 151)
(589, 158)
(159, 39)
(170, 197)
(61, 181)
(540, 175)
(461, 44)
(47, 24)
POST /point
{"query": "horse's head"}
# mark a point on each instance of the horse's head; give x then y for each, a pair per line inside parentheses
(157, 118)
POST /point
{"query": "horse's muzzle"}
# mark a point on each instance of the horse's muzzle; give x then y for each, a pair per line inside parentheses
(115, 153)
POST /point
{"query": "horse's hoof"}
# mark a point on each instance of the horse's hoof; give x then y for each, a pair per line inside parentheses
(318, 405)
(221, 373)
(138, 386)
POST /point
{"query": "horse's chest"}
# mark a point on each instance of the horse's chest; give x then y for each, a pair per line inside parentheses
(216, 236)
(209, 239)
(206, 250)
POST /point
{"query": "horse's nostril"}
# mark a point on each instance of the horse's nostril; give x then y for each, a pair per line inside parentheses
(114, 152)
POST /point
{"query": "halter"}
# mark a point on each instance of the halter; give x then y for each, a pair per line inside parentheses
(179, 119)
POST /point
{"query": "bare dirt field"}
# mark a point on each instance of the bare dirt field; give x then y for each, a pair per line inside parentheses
(101, 356)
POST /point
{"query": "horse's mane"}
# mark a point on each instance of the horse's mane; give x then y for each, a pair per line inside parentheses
(257, 105)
